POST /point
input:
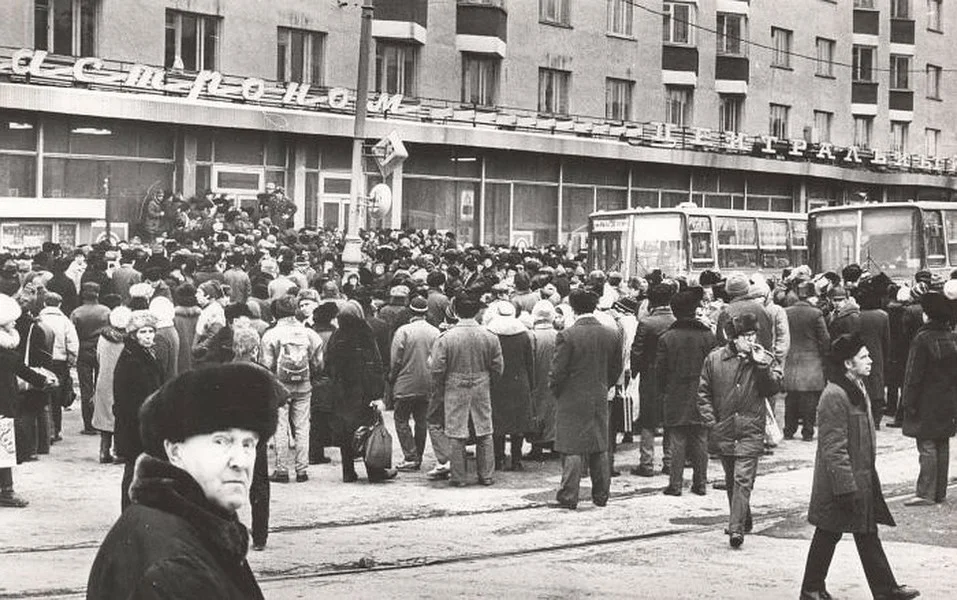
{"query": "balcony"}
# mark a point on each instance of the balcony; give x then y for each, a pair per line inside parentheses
(901, 100)
(405, 20)
(867, 22)
(902, 31)
(733, 68)
(481, 26)
(864, 92)
(679, 58)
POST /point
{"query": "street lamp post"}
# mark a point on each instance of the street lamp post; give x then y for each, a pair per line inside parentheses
(352, 253)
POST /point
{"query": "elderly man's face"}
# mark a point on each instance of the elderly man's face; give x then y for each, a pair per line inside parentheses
(221, 463)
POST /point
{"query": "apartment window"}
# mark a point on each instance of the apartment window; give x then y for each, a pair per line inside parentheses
(900, 72)
(678, 20)
(931, 139)
(618, 99)
(730, 112)
(781, 40)
(553, 91)
(192, 41)
(621, 17)
(899, 136)
(933, 81)
(300, 56)
(863, 126)
(900, 9)
(825, 57)
(65, 26)
(778, 123)
(822, 126)
(480, 79)
(934, 22)
(864, 4)
(678, 105)
(732, 34)
(395, 68)
(554, 11)
(863, 63)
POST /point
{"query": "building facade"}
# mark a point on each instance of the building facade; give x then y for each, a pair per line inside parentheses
(520, 117)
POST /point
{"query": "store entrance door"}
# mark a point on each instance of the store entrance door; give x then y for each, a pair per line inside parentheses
(334, 200)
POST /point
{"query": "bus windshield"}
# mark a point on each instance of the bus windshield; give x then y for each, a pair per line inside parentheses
(658, 244)
(890, 240)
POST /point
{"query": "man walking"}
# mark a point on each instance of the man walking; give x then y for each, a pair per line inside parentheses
(465, 358)
(735, 380)
(294, 353)
(587, 362)
(410, 381)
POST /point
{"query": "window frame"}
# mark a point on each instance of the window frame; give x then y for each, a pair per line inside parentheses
(76, 26)
(679, 97)
(933, 91)
(722, 37)
(670, 23)
(202, 22)
(935, 20)
(404, 54)
(285, 59)
(555, 12)
(864, 4)
(863, 130)
(560, 83)
(779, 122)
(856, 67)
(730, 104)
(781, 58)
(623, 90)
(896, 13)
(927, 141)
(620, 15)
(829, 121)
(899, 136)
(488, 82)
(900, 75)
(828, 63)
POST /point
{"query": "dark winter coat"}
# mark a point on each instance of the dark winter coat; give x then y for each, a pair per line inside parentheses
(352, 361)
(136, 376)
(847, 319)
(731, 396)
(63, 285)
(11, 366)
(876, 333)
(586, 364)
(804, 368)
(184, 320)
(898, 347)
(644, 350)
(844, 464)
(40, 353)
(930, 384)
(172, 543)
(681, 353)
(512, 392)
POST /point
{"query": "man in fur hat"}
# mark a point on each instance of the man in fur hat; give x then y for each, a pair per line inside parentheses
(181, 538)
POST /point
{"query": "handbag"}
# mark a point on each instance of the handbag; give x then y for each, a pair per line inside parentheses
(379, 446)
(22, 384)
(772, 432)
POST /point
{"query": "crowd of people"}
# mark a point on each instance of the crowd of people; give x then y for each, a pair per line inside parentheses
(509, 350)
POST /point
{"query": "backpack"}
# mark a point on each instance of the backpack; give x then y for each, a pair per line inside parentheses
(292, 363)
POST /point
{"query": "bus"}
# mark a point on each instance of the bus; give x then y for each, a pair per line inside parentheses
(688, 239)
(898, 238)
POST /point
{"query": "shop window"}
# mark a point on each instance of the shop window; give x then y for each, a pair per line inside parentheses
(395, 67)
(480, 79)
(522, 166)
(498, 199)
(553, 91)
(611, 199)
(17, 132)
(238, 147)
(192, 41)
(300, 55)
(17, 176)
(577, 204)
(65, 26)
(951, 232)
(618, 99)
(647, 198)
(536, 211)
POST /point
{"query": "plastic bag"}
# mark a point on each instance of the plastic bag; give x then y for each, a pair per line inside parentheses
(379, 447)
(772, 432)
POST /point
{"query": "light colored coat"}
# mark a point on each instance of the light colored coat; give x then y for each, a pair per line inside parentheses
(108, 349)
(464, 360)
(409, 375)
(66, 343)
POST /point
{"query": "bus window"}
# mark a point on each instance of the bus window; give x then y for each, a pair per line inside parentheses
(890, 240)
(700, 241)
(606, 250)
(836, 240)
(798, 242)
(951, 231)
(658, 244)
(737, 243)
(774, 243)
(934, 239)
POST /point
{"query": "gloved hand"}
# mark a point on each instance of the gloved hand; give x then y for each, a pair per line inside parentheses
(845, 501)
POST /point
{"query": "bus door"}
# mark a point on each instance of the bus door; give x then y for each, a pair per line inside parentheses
(701, 242)
(773, 241)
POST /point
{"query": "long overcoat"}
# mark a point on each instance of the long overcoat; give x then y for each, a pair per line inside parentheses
(543, 399)
(681, 353)
(930, 383)
(586, 364)
(876, 333)
(804, 368)
(511, 393)
(136, 376)
(644, 350)
(844, 463)
(108, 349)
(464, 359)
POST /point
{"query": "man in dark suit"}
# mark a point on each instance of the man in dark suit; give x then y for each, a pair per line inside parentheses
(804, 367)
(586, 364)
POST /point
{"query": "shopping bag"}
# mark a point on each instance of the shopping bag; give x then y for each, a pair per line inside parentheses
(8, 444)
(631, 392)
(772, 432)
(379, 447)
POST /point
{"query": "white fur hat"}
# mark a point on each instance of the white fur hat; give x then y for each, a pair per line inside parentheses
(120, 317)
(9, 310)
(950, 289)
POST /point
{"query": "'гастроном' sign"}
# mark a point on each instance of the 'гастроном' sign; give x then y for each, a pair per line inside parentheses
(39, 67)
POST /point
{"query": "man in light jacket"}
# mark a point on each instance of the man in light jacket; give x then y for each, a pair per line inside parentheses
(66, 348)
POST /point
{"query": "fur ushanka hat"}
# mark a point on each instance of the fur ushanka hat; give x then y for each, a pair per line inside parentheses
(238, 395)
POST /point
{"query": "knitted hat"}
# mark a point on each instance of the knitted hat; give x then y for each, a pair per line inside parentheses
(918, 290)
(140, 319)
(9, 310)
(200, 401)
(419, 305)
(399, 291)
(543, 311)
(737, 285)
(626, 304)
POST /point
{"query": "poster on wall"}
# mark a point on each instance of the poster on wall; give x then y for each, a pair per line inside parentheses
(25, 237)
(467, 205)
(522, 239)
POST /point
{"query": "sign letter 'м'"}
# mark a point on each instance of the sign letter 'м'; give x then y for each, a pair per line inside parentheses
(389, 153)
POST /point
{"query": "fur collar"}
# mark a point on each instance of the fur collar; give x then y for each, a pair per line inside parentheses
(187, 311)
(158, 484)
(854, 392)
(112, 334)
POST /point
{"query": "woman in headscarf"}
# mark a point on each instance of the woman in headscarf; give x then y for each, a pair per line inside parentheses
(137, 375)
(108, 349)
(543, 336)
(353, 364)
(511, 393)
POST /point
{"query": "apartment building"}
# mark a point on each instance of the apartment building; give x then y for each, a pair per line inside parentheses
(521, 117)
